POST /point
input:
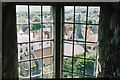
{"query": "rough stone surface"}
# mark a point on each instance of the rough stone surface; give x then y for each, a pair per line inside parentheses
(9, 42)
(109, 42)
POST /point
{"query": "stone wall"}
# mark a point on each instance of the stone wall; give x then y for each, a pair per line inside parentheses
(9, 41)
(109, 42)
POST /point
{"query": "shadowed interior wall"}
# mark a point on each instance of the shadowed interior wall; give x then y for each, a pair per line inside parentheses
(9, 41)
(109, 41)
(0, 40)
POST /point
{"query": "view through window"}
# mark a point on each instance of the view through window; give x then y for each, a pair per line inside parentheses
(80, 41)
(35, 41)
(35, 31)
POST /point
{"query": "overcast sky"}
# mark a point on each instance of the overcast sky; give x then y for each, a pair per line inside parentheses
(72, 7)
(20, 8)
(45, 8)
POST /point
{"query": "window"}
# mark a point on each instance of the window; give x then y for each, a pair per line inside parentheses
(36, 41)
(80, 41)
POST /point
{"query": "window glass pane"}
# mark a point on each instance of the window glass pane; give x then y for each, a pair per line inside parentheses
(48, 68)
(22, 33)
(67, 75)
(90, 67)
(22, 14)
(91, 51)
(23, 52)
(36, 50)
(48, 61)
(91, 48)
(35, 14)
(92, 33)
(79, 49)
(78, 66)
(93, 15)
(36, 68)
(47, 31)
(67, 64)
(24, 70)
(80, 32)
(47, 14)
(80, 14)
(47, 48)
(68, 48)
(69, 13)
(19, 27)
(36, 35)
(68, 31)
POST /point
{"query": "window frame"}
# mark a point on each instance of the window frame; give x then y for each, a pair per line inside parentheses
(58, 9)
(41, 41)
(63, 22)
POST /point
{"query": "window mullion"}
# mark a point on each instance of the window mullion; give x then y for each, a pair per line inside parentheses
(85, 41)
(29, 40)
(62, 41)
(42, 37)
(73, 41)
(57, 40)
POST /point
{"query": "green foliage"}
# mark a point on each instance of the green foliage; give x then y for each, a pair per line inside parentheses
(78, 65)
(67, 75)
(36, 26)
(20, 71)
(46, 71)
(36, 19)
(90, 22)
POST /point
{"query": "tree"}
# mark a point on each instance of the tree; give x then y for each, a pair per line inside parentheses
(90, 21)
(36, 26)
(78, 65)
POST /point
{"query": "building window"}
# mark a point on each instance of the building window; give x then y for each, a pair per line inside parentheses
(80, 40)
(35, 27)
(36, 39)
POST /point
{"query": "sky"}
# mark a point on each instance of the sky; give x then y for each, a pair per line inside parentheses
(72, 7)
(32, 8)
(45, 8)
